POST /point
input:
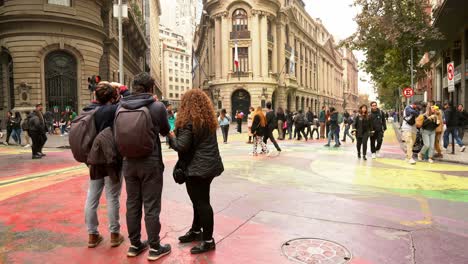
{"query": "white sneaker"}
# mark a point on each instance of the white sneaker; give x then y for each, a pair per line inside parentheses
(462, 149)
(430, 160)
(378, 154)
(27, 146)
(374, 156)
(412, 161)
(61, 135)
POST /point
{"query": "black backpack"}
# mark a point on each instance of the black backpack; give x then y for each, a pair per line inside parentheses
(429, 124)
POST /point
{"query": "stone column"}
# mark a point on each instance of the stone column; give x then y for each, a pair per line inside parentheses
(218, 48)
(225, 47)
(264, 45)
(255, 51)
(275, 45)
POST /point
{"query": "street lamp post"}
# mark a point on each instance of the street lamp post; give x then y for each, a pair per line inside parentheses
(121, 76)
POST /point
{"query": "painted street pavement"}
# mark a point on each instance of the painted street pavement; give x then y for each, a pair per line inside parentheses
(380, 211)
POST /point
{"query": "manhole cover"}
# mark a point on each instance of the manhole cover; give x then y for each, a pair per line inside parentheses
(316, 251)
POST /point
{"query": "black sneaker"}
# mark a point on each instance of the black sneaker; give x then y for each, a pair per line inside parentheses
(41, 154)
(134, 251)
(204, 247)
(155, 254)
(191, 236)
(36, 157)
(336, 146)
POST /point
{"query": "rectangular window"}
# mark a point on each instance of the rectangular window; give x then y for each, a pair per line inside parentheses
(177, 95)
(287, 66)
(170, 79)
(176, 64)
(243, 54)
(270, 60)
(177, 87)
(59, 2)
(177, 79)
(171, 95)
(170, 71)
(187, 81)
(171, 87)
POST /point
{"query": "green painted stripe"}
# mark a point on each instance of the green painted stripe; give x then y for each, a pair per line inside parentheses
(449, 195)
(39, 176)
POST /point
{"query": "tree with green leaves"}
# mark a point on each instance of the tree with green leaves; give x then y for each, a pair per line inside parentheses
(387, 31)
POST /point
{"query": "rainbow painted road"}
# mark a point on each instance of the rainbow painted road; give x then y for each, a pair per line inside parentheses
(380, 211)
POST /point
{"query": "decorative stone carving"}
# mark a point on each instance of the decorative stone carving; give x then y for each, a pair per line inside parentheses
(24, 93)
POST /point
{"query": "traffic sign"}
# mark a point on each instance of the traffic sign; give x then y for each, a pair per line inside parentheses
(451, 77)
(408, 92)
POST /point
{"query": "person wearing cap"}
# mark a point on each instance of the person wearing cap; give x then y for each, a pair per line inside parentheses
(37, 132)
(408, 128)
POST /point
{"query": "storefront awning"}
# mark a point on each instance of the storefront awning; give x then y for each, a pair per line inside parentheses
(450, 18)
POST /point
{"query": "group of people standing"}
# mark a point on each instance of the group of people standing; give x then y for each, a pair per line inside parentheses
(126, 144)
(434, 122)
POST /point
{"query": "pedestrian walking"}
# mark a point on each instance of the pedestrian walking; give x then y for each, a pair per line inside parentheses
(139, 120)
(427, 123)
(408, 128)
(239, 117)
(347, 122)
(37, 132)
(199, 163)
(463, 121)
(438, 132)
(224, 121)
(16, 129)
(322, 120)
(327, 122)
(380, 126)
(249, 124)
(105, 167)
(299, 123)
(272, 124)
(309, 123)
(282, 123)
(9, 127)
(259, 125)
(333, 123)
(362, 129)
(289, 122)
(452, 120)
(25, 128)
(315, 128)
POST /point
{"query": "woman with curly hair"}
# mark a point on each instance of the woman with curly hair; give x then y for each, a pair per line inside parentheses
(258, 130)
(197, 146)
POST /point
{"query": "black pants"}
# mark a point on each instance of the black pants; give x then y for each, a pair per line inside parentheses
(313, 131)
(239, 125)
(327, 129)
(269, 135)
(225, 131)
(362, 141)
(38, 141)
(198, 190)
(377, 137)
(9, 130)
(301, 132)
(144, 183)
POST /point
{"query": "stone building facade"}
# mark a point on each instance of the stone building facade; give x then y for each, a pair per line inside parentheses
(270, 35)
(350, 81)
(49, 48)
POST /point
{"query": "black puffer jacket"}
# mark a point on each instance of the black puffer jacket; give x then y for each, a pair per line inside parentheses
(200, 152)
(37, 123)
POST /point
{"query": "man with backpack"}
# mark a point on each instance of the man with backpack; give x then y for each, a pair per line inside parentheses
(138, 122)
(104, 162)
(380, 126)
(272, 123)
(408, 128)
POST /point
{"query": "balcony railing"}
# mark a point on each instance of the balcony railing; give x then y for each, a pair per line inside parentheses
(240, 34)
(271, 39)
(287, 47)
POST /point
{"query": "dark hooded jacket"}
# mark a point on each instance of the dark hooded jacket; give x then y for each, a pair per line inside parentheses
(362, 126)
(199, 152)
(158, 114)
(378, 120)
(37, 123)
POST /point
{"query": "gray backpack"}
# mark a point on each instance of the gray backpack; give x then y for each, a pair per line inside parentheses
(82, 134)
(134, 132)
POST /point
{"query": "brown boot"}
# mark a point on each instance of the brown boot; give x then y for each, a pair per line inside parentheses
(94, 240)
(116, 239)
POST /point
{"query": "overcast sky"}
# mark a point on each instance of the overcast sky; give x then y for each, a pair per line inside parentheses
(337, 16)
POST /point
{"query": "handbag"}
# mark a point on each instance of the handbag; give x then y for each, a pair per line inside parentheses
(285, 125)
(180, 169)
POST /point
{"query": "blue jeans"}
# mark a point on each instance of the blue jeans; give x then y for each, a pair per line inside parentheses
(454, 132)
(16, 135)
(335, 133)
(428, 137)
(113, 190)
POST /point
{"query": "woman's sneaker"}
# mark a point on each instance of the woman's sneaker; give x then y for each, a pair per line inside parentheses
(155, 254)
(134, 251)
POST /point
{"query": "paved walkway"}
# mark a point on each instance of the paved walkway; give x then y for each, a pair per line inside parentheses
(458, 157)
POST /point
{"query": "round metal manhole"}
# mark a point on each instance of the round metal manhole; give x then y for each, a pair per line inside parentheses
(316, 251)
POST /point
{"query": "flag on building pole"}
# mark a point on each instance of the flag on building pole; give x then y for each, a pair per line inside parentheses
(291, 63)
(194, 64)
(236, 59)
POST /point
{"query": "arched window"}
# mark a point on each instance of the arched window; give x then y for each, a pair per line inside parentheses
(239, 20)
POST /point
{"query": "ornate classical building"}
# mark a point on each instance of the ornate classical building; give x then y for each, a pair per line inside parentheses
(48, 49)
(285, 56)
(350, 81)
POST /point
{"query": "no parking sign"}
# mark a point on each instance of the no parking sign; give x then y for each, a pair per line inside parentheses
(408, 92)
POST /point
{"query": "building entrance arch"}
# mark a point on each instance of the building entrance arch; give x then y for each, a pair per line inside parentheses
(240, 100)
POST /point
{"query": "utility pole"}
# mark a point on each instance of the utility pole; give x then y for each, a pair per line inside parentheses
(121, 70)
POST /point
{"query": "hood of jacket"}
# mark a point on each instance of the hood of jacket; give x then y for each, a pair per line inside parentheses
(137, 100)
(90, 107)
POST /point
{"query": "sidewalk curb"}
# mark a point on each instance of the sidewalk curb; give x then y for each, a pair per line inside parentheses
(403, 147)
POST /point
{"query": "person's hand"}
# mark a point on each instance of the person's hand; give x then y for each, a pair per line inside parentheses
(172, 134)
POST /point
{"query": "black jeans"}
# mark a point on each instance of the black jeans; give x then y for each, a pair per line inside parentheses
(362, 141)
(38, 141)
(239, 125)
(225, 131)
(144, 183)
(377, 137)
(313, 131)
(269, 135)
(198, 190)
(8, 135)
(301, 132)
